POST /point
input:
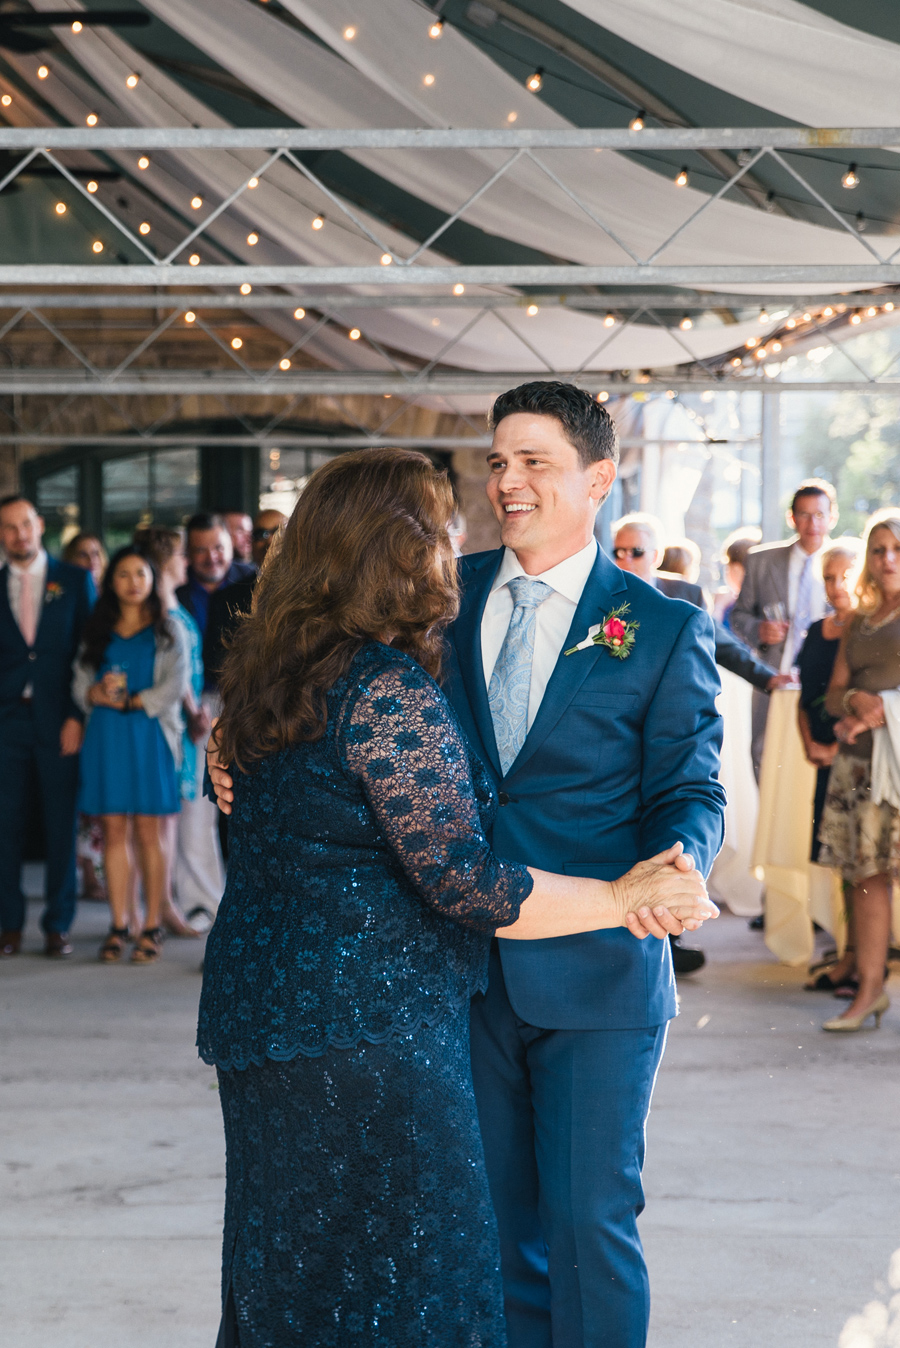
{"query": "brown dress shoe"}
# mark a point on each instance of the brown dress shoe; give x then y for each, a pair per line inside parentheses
(10, 942)
(57, 945)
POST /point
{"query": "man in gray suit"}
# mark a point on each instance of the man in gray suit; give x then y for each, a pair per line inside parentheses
(783, 593)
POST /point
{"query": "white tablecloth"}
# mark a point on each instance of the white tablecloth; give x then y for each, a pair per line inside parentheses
(732, 880)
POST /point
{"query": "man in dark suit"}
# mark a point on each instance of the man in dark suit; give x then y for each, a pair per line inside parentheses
(44, 605)
(226, 606)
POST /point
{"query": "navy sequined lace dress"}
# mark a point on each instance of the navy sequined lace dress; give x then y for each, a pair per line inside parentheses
(354, 929)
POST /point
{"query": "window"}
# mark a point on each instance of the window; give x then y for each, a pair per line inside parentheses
(56, 499)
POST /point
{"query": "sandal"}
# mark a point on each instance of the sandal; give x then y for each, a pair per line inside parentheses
(148, 946)
(113, 948)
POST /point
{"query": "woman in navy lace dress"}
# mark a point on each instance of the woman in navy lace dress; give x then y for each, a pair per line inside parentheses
(354, 930)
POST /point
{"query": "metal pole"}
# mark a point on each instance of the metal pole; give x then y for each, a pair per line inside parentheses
(770, 461)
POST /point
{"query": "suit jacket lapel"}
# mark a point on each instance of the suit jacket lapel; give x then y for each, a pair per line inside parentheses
(467, 638)
(602, 592)
(6, 614)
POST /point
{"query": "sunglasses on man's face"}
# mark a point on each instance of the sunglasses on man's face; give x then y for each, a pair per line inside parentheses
(619, 553)
(260, 535)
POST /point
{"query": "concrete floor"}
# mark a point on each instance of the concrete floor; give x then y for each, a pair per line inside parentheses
(773, 1173)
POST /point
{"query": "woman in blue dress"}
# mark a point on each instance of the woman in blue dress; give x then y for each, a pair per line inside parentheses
(354, 929)
(130, 680)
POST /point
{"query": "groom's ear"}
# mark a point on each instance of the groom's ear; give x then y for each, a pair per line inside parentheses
(603, 475)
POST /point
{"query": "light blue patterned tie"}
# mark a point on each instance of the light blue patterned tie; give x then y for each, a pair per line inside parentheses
(803, 613)
(510, 684)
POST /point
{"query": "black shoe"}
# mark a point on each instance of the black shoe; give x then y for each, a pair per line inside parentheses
(757, 923)
(684, 958)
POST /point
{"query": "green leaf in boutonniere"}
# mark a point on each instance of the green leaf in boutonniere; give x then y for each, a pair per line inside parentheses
(616, 633)
(53, 591)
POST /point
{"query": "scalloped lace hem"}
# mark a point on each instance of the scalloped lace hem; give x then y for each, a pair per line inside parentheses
(240, 1062)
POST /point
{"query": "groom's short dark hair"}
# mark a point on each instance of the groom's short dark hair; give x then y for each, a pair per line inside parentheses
(586, 423)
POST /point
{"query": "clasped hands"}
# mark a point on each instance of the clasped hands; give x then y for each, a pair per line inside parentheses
(867, 713)
(108, 692)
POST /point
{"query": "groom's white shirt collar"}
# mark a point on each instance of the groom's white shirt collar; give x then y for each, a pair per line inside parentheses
(553, 621)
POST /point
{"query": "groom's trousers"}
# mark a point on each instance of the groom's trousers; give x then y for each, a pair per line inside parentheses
(562, 1117)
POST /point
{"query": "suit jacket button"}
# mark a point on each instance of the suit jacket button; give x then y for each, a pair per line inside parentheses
(503, 798)
(32, 655)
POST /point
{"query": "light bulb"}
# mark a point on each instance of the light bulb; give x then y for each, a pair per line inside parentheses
(6, 100)
(246, 288)
(43, 72)
(386, 259)
(871, 312)
(435, 322)
(751, 342)
(284, 363)
(143, 227)
(318, 221)
(855, 318)
(670, 393)
(428, 79)
(132, 81)
(736, 362)
(190, 316)
(77, 26)
(807, 318)
(637, 122)
(850, 178)
(91, 119)
(860, 223)
(60, 208)
(791, 323)
(602, 396)
(609, 321)
(889, 307)
(760, 354)
(512, 117)
(349, 33)
(196, 203)
(354, 334)
(299, 313)
(92, 186)
(253, 239)
(97, 246)
(459, 288)
(531, 310)
(828, 312)
(254, 182)
(194, 260)
(236, 343)
(763, 317)
(776, 346)
(686, 323)
(143, 162)
(535, 82)
(682, 178)
(436, 28)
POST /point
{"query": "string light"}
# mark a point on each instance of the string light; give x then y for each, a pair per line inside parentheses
(318, 221)
(132, 81)
(436, 28)
(284, 363)
(531, 310)
(850, 178)
(6, 100)
(609, 321)
(43, 72)
(254, 182)
(670, 393)
(354, 334)
(855, 318)
(97, 246)
(253, 238)
(736, 362)
(386, 259)
(196, 203)
(512, 117)
(236, 343)
(871, 312)
(760, 354)
(194, 260)
(77, 26)
(459, 288)
(91, 119)
(143, 162)
(682, 179)
(246, 288)
(751, 342)
(807, 318)
(349, 33)
(435, 322)
(776, 346)
(60, 208)
(686, 323)
(791, 323)
(860, 223)
(299, 313)
(190, 316)
(637, 122)
(889, 307)
(535, 82)
(143, 227)
(828, 312)
(92, 186)
(428, 79)
(763, 317)
(602, 396)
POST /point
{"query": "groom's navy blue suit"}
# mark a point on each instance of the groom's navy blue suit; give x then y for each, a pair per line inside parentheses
(620, 762)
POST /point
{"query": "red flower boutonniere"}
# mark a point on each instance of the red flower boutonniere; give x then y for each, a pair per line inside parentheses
(616, 633)
(53, 591)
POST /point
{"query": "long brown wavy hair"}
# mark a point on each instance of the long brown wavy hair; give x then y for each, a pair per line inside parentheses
(364, 555)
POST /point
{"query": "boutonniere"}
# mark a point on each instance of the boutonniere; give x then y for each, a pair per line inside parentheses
(53, 591)
(615, 633)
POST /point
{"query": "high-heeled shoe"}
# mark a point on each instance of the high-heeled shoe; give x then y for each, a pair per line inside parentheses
(849, 1024)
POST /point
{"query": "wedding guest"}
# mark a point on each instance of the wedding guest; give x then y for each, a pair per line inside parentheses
(130, 680)
(860, 837)
(356, 924)
(44, 605)
(88, 552)
(240, 527)
(226, 606)
(165, 549)
(734, 565)
(783, 594)
(682, 558)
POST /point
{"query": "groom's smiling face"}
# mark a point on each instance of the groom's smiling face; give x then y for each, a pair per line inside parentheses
(544, 498)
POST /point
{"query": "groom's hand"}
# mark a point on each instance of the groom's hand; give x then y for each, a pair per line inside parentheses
(222, 783)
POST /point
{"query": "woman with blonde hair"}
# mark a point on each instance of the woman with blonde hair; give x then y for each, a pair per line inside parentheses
(860, 837)
(355, 927)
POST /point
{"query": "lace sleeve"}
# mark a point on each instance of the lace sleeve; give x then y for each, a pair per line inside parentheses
(400, 739)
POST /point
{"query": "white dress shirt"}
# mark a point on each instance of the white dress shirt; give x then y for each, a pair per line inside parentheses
(818, 605)
(35, 575)
(554, 616)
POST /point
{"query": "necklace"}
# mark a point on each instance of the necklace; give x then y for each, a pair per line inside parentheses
(870, 625)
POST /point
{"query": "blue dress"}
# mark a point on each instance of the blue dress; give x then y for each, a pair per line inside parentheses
(354, 929)
(126, 765)
(187, 776)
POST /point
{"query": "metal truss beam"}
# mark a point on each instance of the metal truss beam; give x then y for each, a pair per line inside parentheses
(416, 138)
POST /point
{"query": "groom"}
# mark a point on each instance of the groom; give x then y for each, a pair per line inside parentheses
(599, 761)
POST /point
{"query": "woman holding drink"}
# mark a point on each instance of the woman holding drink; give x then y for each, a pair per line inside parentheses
(130, 679)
